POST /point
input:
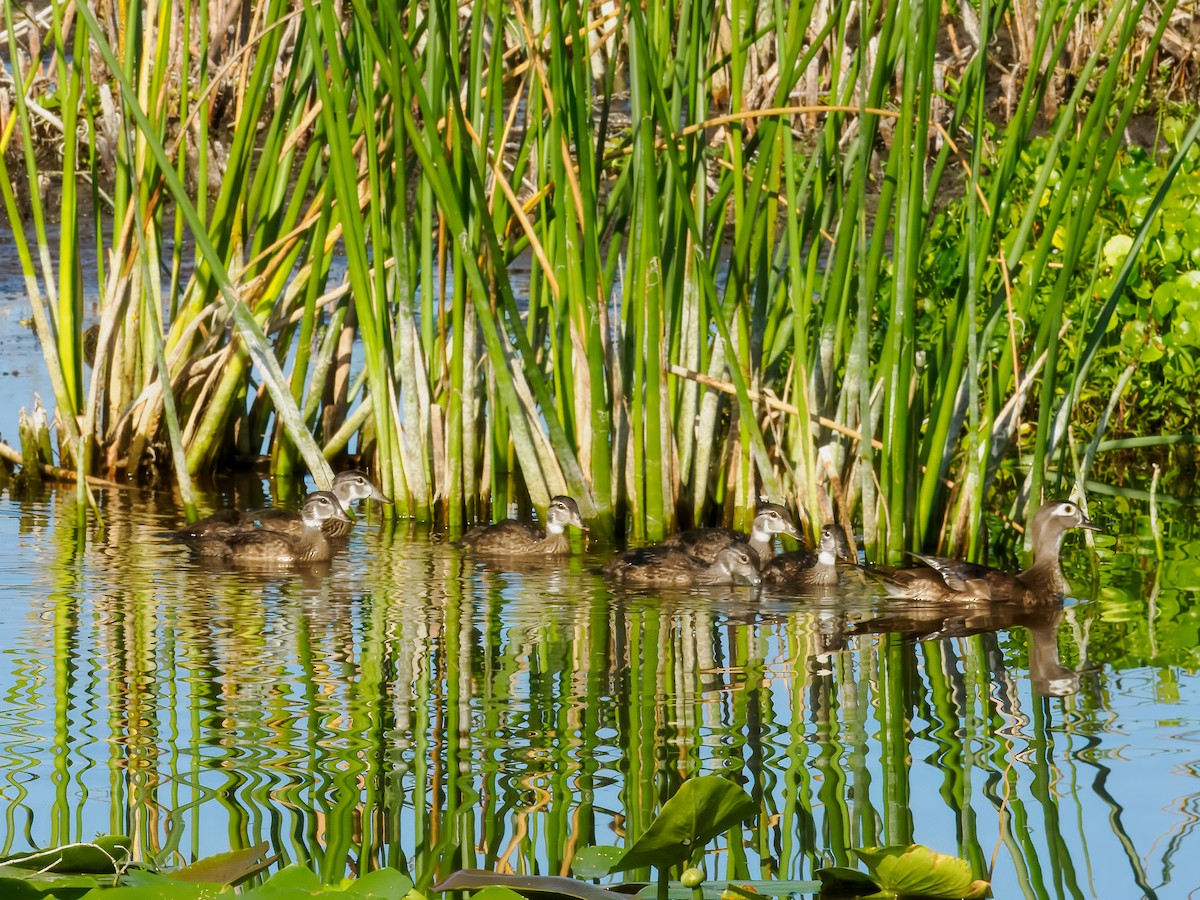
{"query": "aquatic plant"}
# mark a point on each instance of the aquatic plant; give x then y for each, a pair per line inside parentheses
(734, 289)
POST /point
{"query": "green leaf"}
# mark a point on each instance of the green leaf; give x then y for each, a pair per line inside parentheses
(702, 809)
(595, 862)
(226, 868)
(385, 884)
(164, 889)
(838, 881)
(475, 879)
(1117, 248)
(35, 887)
(103, 856)
(917, 871)
(291, 881)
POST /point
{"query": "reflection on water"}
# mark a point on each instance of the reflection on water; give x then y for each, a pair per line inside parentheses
(412, 706)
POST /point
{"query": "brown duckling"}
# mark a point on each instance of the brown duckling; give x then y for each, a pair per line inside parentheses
(945, 578)
(770, 519)
(256, 545)
(513, 538)
(348, 486)
(804, 568)
(662, 566)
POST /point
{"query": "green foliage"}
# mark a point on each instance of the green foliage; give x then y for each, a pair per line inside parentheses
(728, 297)
(100, 870)
(905, 871)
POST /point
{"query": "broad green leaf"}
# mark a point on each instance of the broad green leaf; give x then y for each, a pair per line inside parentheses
(226, 868)
(289, 882)
(474, 879)
(921, 872)
(1117, 248)
(702, 809)
(716, 890)
(103, 856)
(385, 884)
(159, 890)
(29, 889)
(595, 862)
(839, 881)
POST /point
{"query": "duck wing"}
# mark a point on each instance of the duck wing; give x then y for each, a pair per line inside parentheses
(507, 538)
(705, 543)
(927, 583)
(657, 566)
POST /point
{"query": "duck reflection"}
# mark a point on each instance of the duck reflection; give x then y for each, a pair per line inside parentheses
(935, 621)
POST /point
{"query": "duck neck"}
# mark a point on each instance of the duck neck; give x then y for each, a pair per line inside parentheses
(1045, 571)
(761, 541)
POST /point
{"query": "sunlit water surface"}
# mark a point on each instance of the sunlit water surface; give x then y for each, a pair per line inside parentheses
(410, 705)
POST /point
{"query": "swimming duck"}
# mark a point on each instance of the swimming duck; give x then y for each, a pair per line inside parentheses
(258, 545)
(770, 519)
(348, 486)
(513, 538)
(945, 578)
(662, 566)
(806, 568)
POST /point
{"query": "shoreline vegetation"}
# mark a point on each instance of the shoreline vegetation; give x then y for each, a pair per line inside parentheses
(829, 254)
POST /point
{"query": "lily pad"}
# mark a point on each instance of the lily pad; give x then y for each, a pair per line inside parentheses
(595, 862)
(524, 885)
(226, 868)
(917, 871)
(103, 856)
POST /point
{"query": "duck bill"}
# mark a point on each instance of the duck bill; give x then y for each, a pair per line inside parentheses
(1089, 525)
(377, 494)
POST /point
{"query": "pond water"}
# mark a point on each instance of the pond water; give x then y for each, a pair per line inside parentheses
(408, 705)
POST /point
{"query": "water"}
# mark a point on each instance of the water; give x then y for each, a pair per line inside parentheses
(410, 702)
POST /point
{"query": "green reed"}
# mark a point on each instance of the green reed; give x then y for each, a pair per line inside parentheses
(729, 291)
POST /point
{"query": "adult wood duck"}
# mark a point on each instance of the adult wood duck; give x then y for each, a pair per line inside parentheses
(770, 519)
(256, 545)
(805, 568)
(947, 579)
(348, 487)
(513, 538)
(662, 566)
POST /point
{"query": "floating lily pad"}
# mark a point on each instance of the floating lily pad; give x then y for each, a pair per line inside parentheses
(227, 868)
(524, 885)
(917, 871)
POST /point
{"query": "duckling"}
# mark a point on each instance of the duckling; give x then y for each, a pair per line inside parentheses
(805, 568)
(945, 578)
(348, 487)
(513, 538)
(255, 545)
(662, 566)
(704, 543)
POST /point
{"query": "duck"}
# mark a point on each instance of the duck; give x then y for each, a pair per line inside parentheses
(348, 487)
(948, 579)
(291, 544)
(663, 566)
(513, 538)
(806, 568)
(769, 520)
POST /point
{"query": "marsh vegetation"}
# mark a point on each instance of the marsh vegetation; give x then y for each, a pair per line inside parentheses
(875, 261)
